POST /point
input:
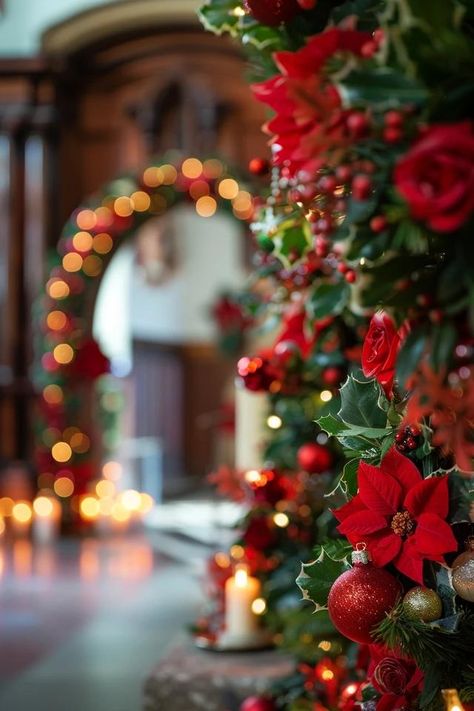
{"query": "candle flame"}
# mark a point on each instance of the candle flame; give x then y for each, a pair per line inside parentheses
(241, 577)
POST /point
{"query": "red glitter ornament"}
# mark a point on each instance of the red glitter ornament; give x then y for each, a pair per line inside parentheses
(314, 458)
(272, 12)
(361, 597)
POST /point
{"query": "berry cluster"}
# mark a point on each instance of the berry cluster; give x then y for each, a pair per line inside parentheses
(408, 439)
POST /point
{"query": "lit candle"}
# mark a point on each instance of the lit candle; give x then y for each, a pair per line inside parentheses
(21, 518)
(46, 519)
(251, 410)
(240, 592)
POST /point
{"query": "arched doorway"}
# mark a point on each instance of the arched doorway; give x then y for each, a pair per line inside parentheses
(70, 442)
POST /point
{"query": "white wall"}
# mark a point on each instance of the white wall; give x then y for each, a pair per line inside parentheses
(23, 22)
(177, 311)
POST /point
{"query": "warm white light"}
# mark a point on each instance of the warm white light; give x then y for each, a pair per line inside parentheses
(43, 506)
(281, 520)
(274, 422)
(253, 476)
(241, 577)
(259, 606)
(131, 500)
(326, 395)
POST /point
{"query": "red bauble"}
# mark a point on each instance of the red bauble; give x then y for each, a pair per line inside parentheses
(272, 12)
(361, 597)
(259, 166)
(307, 4)
(257, 703)
(314, 458)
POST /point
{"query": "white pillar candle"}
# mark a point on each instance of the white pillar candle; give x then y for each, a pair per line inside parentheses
(46, 519)
(251, 409)
(240, 592)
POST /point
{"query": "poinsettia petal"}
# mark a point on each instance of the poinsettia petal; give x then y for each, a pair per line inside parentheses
(433, 536)
(383, 547)
(410, 563)
(378, 490)
(400, 468)
(352, 506)
(362, 522)
(429, 496)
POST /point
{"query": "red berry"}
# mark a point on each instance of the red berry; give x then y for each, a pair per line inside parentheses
(342, 268)
(393, 119)
(324, 225)
(361, 187)
(322, 247)
(350, 276)
(358, 124)
(327, 184)
(414, 430)
(307, 4)
(259, 166)
(378, 223)
(399, 437)
(344, 173)
(378, 35)
(392, 135)
(411, 443)
(369, 49)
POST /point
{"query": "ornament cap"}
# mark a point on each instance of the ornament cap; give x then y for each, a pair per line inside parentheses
(360, 555)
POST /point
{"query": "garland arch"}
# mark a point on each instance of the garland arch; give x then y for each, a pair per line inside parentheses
(69, 362)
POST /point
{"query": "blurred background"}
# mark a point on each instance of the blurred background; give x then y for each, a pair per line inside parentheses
(116, 400)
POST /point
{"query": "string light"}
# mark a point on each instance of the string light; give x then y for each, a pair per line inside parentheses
(123, 206)
(325, 395)
(61, 452)
(57, 289)
(191, 168)
(274, 422)
(228, 188)
(259, 606)
(21, 512)
(206, 206)
(86, 219)
(56, 320)
(43, 506)
(63, 353)
(63, 487)
(72, 262)
(53, 394)
(102, 243)
(82, 241)
(281, 520)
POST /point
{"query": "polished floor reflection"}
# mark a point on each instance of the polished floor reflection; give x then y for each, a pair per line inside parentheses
(81, 623)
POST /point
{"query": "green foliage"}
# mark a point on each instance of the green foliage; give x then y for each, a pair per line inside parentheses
(316, 578)
(445, 656)
(328, 298)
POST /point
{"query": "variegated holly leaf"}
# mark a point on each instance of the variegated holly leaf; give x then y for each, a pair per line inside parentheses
(316, 578)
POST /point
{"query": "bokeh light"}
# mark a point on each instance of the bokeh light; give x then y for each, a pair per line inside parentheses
(53, 394)
(92, 265)
(56, 320)
(86, 219)
(63, 487)
(21, 512)
(112, 471)
(141, 201)
(89, 508)
(228, 188)
(102, 243)
(63, 353)
(191, 168)
(43, 506)
(61, 452)
(82, 241)
(206, 206)
(57, 289)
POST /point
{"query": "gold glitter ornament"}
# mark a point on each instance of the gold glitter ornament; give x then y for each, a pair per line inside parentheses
(422, 604)
(463, 572)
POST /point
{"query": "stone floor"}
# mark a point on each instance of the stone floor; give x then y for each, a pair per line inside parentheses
(82, 623)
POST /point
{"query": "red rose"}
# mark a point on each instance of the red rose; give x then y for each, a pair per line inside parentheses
(391, 676)
(379, 352)
(436, 177)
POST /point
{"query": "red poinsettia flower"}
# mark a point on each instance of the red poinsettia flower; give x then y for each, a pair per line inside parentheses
(294, 332)
(399, 515)
(309, 115)
(398, 679)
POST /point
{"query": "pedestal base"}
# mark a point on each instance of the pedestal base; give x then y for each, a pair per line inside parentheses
(192, 680)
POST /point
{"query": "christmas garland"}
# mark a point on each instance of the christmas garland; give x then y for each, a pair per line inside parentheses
(369, 213)
(69, 445)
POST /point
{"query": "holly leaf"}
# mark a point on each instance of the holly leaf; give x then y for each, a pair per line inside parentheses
(382, 87)
(347, 482)
(360, 406)
(316, 578)
(328, 299)
(331, 425)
